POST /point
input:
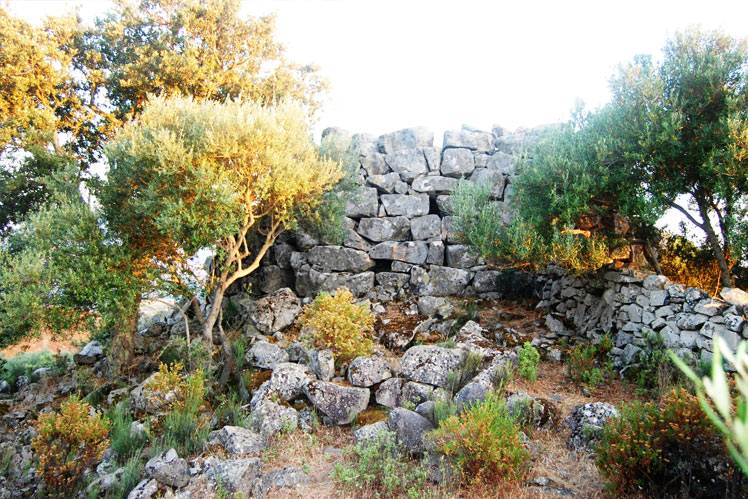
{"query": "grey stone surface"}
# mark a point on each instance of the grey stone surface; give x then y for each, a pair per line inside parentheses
(408, 138)
(368, 371)
(461, 257)
(322, 363)
(238, 441)
(339, 403)
(363, 203)
(439, 281)
(271, 313)
(734, 296)
(408, 205)
(265, 355)
(494, 178)
(409, 163)
(338, 258)
(586, 423)
(89, 354)
(434, 185)
(385, 229)
(389, 392)
(268, 418)
(426, 227)
(457, 163)
(430, 364)
(372, 432)
(288, 379)
(410, 251)
(168, 468)
(235, 476)
(374, 164)
(501, 162)
(384, 183)
(286, 477)
(474, 140)
(410, 428)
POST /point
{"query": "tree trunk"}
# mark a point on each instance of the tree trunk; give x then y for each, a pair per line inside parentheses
(714, 244)
(651, 255)
(212, 317)
(122, 346)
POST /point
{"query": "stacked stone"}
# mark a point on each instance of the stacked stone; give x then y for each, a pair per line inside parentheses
(399, 238)
(632, 307)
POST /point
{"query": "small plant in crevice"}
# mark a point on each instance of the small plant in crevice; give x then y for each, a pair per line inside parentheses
(527, 362)
(122, 442)
(458, 378)
(382, 467)
(468, 313)
(589, 363)
(483, 441)
(68, 443)
(654, 371)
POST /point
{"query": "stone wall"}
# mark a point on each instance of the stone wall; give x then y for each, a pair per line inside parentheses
(632, 306)
(398, 236)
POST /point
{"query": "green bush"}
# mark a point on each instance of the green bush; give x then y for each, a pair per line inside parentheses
(483, 441)
(667, 450)
(26, 363)
(338, 323)
(589, 364)
(120, 440)
(381, 466)
(527, 362)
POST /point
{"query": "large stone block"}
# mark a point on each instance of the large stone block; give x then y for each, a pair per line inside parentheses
(374, 164)
(406, 205)
(439, 281)
(426, 227)
(469, 139)
(363, 203)
(410, 252)
(457, 163)
(385, 229)
(459, 256)
(434, 185)
(409, 163)
(408, 138)
(384, 183)
(494, 178)
(501, 162)
(338, 258)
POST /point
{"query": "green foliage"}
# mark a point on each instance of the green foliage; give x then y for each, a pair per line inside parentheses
(653, 369)
(665, 449)
(68, 443)
(379, 465)
(26, 363)
(128, 480)
(527, 362)
(230, 412)
(458, 378)
(122, 443)
(589, 364)
(729, 416)
(483, 441)
(336, 322)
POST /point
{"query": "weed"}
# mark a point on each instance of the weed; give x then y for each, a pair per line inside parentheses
(230, 411)
(26, 363)
(527, 362)
(458, 378)
(129, 479)
(120, 440)
(589, 364)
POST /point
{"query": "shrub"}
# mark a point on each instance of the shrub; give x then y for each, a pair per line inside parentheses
(121, 442)
(68, 443)
(667, 449)
(484, 442)
(527, 362)
(336, 322)
(685, 263)
(26, 363)
(589, 364)
(380, 465)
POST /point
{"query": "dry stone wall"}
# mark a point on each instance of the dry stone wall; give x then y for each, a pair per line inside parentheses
(398, 234)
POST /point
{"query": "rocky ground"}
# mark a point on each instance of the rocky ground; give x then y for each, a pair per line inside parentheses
(304, 414)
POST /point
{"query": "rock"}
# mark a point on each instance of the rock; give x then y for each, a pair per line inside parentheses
(168, 468)
(586, 423)
(461, 257)
(272, 313)
(268, 418)
(358, 284)
(4, 386)
(471, 394)
(430, 364)
(363, 203)
(374, 164)
(457, 163)
(389, 392)
(485, 281)
(426, 227)
(411, 251)
(690, 321)
(710, 330)
(734, 296)
(409, 428)
(339, 258)
(368, 371)
(408, 205)
(392, 281)
(89, 354)
(238, 441)
(138, 430)
(527, 410)
(439, 281)
(432, 305)
(288, 380)
(235, 476)
(372, 432)
(501, 162)
(494, 178)
(116, 396)
(298, 352)
(265, 355)
(288, 476)
(408, 138)
(655, 282)
(339, 403)
(144, 399)
(444, 204)
(469, 139)
(148, 489)
(384, 183)
(322, 363)
(435, 185)
(435, 255)
(449, 232)
(409, 163)
(385, 229)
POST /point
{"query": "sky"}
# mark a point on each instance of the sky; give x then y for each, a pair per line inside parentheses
(439, 64)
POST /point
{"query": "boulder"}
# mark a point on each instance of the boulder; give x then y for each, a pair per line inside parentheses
(409, 428)
(734, 296)
(372, 432)
(238, 441)
(469, 139)
(374, 163)
(586, 423)
(288, 380)
(408, 205)
(385, 229)
(439, 281)
(409, 163)
(357, 283)
(408, 138)
(384, 183)
(339, 258)
(89, 354)
(410, 252)
(288, 476)
(339, 403)
(426, 227)
(388, 393)
(528, 410)
(435, 185)
(501, 162)
(362, 203)
(471, 394)
(435, 255)
(460, 256)
(148, 489)
(268, 418)
(457, 163)
(368, 371)
(485, 281)
(235, 476)
(431, 305)
(494, 178)
(322, 363)
(430, 364)
(272, 313)
(265, 355)
(168, 468)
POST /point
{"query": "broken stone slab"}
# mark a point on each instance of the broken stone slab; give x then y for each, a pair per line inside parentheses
(502, 163)
(238, 441)
(410, 429)
(384, 183)
(357, 283)
(410, 252)
(272, 313)
(392, 281)
(265, 355)
(430, 364)
(385, 229)
(339, 403)
(435, 185)
(340, 259)
(407, 138)
(89, 354)
(734, 296)
(268, 418)
(388, 393)
(426, 227)
(408, 205)
(362, 203)
(439, 281)
(322, 363)
(469, 139)
(368, 371)
(493, 178)
(457, 163)
(374, 164)
(288, 380)
(168, 468)
(460, 256)
(409, 163)
(234, 476)
(435, 255)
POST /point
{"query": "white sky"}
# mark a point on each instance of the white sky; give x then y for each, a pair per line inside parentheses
(395, 64)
